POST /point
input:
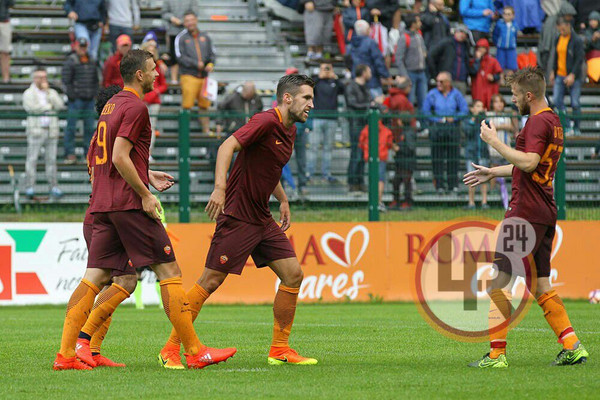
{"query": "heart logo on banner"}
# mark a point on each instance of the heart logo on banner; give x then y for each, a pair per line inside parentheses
(338, 249)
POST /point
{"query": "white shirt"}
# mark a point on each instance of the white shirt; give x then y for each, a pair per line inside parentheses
(43, 99)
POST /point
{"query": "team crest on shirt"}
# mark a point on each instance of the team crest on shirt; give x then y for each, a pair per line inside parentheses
(130, 263)
(223, 259)
(167, 250)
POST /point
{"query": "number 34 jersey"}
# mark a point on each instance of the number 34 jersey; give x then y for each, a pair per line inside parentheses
(533, 193)
(124, 115)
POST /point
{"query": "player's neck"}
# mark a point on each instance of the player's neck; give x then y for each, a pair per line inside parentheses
(285, 118)
(537, 106)
(134, 87)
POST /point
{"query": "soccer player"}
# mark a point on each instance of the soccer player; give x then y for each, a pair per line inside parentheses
(126, 221)
(532, 166)
(245, 226)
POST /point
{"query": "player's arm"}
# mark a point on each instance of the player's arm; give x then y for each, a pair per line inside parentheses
(216, 203)
(123, 164)
(527, 162)
(284, 207)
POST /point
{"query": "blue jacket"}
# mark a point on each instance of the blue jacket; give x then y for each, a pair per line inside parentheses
(503, 37)
(87, 10)
(472, 13)
(438, 106)
(364, 50)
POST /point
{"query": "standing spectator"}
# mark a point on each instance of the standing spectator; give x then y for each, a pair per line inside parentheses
(477, 16)
(410, 58)
(111, 74)
(553, 10)
(196, 58)
(243, 100)
(358, 98)
(452, 55)
(152, 99)
(505, 39)
(476, 150)
(364, 50)
(485, 82)
(592, 33)
(318, 25)
(505, 125)
(584, 8)
(80, 81)
(386, 143)
(435, 24)
(123, 19)
(567, 58)
(384, 10)
(172, 13)
(327, 89)
(42, 130)
(445, 105)
(5, 38)
(89, 17)
(353, 13)
(405, 135)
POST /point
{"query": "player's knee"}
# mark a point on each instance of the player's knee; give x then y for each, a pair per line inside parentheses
(127, 282)
(294, 279)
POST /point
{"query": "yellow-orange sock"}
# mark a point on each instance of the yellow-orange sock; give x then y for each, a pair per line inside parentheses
(556, 315)
(498, 319)
(78, 310)
(284, 309)
(177, 308)
(197, 295)
(104, 307)
(98, 337)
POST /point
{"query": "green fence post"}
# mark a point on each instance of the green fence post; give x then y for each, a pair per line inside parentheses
(373, 165)
(560, 177)
(184, 166)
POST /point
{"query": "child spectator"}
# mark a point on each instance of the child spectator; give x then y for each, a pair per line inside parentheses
(592, 34)
(505, 39)
(476, 151)
(504, 126)
(386, 142)
(485, 83)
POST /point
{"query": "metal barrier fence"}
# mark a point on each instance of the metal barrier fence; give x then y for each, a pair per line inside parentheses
(411, 171)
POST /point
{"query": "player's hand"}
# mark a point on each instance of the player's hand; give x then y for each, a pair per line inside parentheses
(73, 15)
(151, 206)
(488, 133)
(310, 6)
(480, 175)
(160, 181)
(216, 203)
(285, 216)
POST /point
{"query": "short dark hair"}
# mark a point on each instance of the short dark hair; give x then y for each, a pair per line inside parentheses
(291, 84)
(104, 96)
(133, 61)
(529, 79)
(190, 12)
(410, 18)
(360, 69)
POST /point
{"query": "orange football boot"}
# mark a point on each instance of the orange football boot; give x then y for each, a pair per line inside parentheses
(62, 363)
(287, 355)
(209, 356)
(170, 358)
(102, 361)
(82, 349)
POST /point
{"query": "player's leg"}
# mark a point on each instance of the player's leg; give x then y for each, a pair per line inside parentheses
(137, 293)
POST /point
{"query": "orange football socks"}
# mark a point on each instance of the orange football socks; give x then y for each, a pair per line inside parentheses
(98, 337)
(498, 319)
(78, 310)
(284, 309)
(196, 296)
(556, 315)
(177, 308)
(104, 307)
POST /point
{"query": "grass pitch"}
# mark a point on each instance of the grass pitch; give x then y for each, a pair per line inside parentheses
(375, 351)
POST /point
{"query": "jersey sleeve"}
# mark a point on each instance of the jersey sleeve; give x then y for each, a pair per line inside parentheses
(254, 130)
(133, 123)
(536, 139)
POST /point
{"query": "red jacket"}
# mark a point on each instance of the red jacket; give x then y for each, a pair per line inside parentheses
(481, 88)
(111, 75)
(385, 141)
(160, 86)
(397, 102)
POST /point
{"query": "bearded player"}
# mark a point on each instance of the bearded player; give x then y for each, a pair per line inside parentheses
(126, 220)
(532, 166)
(245, 226)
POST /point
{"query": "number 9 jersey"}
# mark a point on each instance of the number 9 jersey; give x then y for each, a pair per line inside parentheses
(533, 193)
(125, 115)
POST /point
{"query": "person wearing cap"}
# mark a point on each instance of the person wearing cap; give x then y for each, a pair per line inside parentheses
(485, 82)
(477, 16)
(89, 17)
(196, 57)
(80, 81)
(592, 34)
(452, 55)
(152, 99)
(553, 10)
(111, 74)
(123, 19)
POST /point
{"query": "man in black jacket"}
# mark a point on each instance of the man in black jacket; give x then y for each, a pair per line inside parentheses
(80, 81)
(566, 60)
(243, 100)
(435, 25)
(452, 54)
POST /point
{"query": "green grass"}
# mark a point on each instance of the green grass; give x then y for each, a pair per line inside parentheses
(374, 351)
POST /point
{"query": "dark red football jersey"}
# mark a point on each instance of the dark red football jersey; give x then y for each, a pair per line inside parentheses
(89, 218)
(533, 193)
(267, 148)
(125, 115)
